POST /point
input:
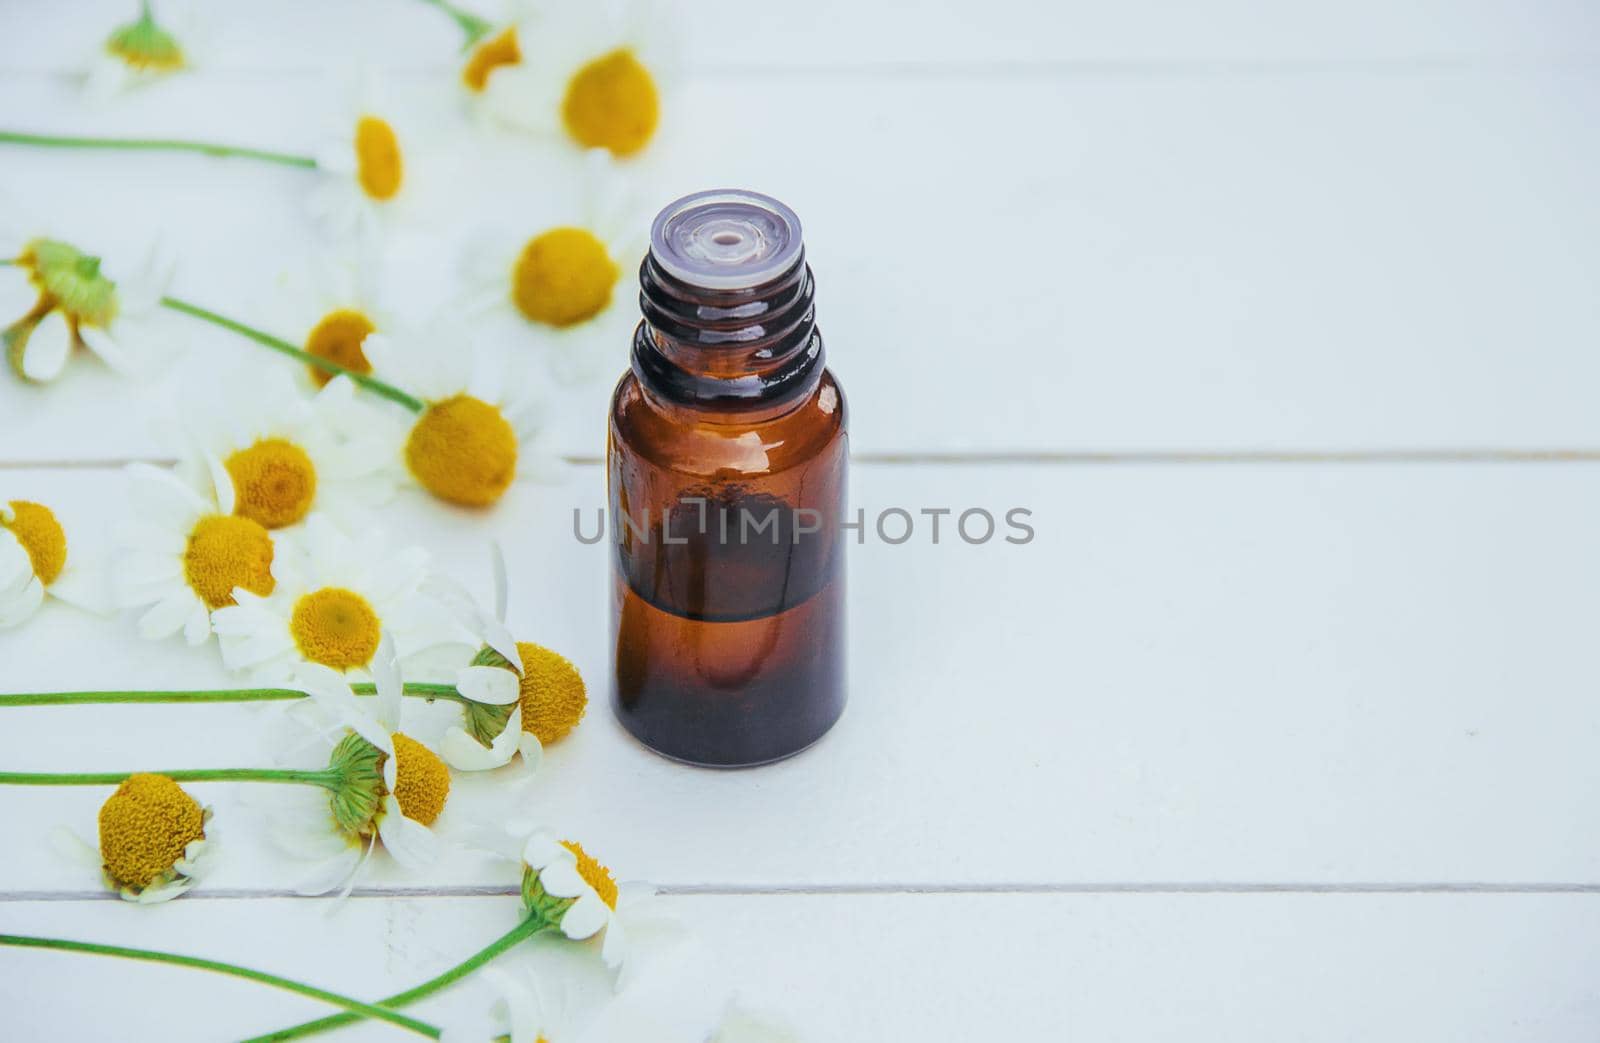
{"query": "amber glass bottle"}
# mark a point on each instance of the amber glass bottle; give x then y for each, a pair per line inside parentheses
(726, 462)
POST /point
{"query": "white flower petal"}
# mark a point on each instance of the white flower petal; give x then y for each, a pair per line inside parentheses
(83, 588)
(161, 493)
(21, 605)
(502, 840)
(584, 917)
(523, 1009)
(410, 843)
(222, 482)
(73, 847)
(366, 853)
(16, 568)
(163, 892)
(563, 880)
(167, 616)
(103, 344)
(307, 834)
(531, 748)
(197, 628)
(45, 355)
(488, 684)
(614, 947)
(497, 636)
(337, 871)
(386, 674)
(464, 753)
(331, 692)
(541, 849)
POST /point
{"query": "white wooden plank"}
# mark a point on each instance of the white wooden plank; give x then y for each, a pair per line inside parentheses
(723, 34)
(1234, 262)
(1331, 675)
(1323, 969)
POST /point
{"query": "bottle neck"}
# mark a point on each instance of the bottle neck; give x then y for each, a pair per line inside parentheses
(727, 351)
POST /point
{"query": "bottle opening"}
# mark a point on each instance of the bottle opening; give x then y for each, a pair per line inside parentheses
(726, 239)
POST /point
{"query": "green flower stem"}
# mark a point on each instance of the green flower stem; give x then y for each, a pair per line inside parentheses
(420, 689)
(356, 1007)
(325, 779)
(377, 387)
(526, 929)
(17, 137)
(225, 695)
(471, 25)
(221, 695)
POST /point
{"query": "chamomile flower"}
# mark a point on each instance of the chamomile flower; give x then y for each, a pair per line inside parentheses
(560, 274)
(136, 53)
(550, 700)
(35, 562)
(184, 554)
(565, 885)
(333, 308)
(154, 844)
(79, 305)
(386, 786)
(333, 600)
(543, 698)
(590, 73)
(363, 167)
(477, 434)
(284, 454)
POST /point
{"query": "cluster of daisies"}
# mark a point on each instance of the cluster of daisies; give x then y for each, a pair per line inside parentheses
(260, 541)
(242, 544)
(582, 78)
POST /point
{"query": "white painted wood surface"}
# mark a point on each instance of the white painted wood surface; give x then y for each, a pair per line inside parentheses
(1127, 968)
(1250, 744)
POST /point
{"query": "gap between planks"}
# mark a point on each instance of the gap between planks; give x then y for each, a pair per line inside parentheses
(1070, 458)
(1090, 888)
(1025, 68)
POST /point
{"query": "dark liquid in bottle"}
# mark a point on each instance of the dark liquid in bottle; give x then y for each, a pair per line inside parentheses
(730, 643)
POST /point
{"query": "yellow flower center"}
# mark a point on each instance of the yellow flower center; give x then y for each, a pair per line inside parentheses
(335, 627)
(338, 338)
(553, 695)
(463, 450)
(563, 277)
(611, 103)
(491, 54)
(224, 552)
(274, 480)
(421, 780)
(594, 874)
(378, 164)
(35, 527)
(145, 827)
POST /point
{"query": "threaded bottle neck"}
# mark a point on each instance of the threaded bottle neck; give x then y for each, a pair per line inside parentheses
(729, 306)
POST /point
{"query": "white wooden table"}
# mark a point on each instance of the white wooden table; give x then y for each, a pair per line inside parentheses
(1282, 319)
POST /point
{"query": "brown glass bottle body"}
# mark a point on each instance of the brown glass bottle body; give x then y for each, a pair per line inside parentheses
(727, 462)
